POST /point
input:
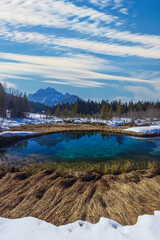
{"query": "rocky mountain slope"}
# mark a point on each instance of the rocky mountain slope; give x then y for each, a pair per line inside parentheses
(50, 97)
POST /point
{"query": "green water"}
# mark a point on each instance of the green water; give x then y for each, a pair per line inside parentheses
(73, 147)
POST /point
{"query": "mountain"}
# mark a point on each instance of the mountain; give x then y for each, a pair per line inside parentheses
(50, 97)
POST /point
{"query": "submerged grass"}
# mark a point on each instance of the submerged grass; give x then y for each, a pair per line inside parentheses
(110, 167)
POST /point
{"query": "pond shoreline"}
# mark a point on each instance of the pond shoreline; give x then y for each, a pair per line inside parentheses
(51, 128)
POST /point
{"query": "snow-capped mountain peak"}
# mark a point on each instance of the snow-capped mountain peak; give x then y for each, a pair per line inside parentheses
(50, 97)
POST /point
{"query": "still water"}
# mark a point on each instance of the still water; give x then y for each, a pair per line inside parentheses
(91, 147)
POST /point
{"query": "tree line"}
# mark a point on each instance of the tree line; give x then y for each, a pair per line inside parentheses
(107, 110)
(13, 103)
(17, 104)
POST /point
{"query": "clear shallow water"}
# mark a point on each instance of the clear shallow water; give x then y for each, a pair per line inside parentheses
(72, 147)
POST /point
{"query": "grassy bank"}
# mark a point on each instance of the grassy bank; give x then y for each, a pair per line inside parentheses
(110, 167)
(86, 196)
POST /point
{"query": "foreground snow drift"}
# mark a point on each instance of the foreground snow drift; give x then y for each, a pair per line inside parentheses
(147, 228)
(149, 129)
(9, 134)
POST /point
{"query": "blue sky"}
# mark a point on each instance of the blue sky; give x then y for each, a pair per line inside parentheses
(96, 49)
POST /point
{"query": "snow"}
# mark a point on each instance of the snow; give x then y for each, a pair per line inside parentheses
(146, 228)
(9, 134)
(6, 123)
(148, 129)
(113, 122)
(34, 118)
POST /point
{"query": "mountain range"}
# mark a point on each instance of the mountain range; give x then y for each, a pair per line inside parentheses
(51, 97)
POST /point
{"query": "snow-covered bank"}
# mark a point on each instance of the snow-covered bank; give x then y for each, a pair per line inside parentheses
(9, 134)
(6, 123)
(33, 118)
(148, 129)
(113, 122)
(147, 228)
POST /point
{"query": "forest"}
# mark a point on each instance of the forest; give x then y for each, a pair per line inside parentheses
(17, 105)
(107, 110)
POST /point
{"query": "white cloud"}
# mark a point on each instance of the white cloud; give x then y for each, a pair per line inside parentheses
(143, 93)
(73, 70)
(117, 4)
(79, 61)
(63, 14)
(78, 70)
(101, 3)
(52, 13)
(82, 83)
(108, 49)
(86, 45)
(137, 89)
(124, 11)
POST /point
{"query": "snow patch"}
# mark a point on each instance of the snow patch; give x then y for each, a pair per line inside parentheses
(6, 123)
(9, 134)
(148, 129)
(34, 118)
(146, 228)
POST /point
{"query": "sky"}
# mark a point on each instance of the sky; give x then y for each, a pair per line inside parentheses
(96, 49)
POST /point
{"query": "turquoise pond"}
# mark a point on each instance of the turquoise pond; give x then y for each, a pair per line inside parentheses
(72, 147)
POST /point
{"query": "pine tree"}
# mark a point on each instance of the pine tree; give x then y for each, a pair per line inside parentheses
(58, 111)
(118, 109)
(110, 113)
(106, 111)
(103, 111)
(76, 107)
(66, 112)
(2, 101)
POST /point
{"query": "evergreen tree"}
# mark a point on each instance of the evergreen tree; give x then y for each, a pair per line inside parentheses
(107, 111)
(2, 101)
(110, 113)
(118, 109)
(58, 111)
(103, 111)
(66, 112)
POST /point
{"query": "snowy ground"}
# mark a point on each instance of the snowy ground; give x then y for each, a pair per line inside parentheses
(34, 118)
(148, 129)
(113, 122)
(6, 123)
(147, 228)
(8, 134)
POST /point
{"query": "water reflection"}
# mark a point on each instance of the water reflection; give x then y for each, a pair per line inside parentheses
(82, 146)
(54, 139)
(18, 147)
(2, 154)
(119, 139)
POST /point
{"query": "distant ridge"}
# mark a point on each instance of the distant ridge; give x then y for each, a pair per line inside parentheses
(51, 97)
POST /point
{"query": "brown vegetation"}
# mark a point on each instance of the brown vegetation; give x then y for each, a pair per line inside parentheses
(79, 195)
